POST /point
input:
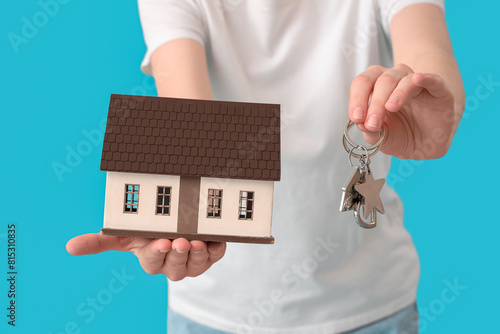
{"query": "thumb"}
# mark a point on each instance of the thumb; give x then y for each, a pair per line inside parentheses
(93, 243)
(433, 83)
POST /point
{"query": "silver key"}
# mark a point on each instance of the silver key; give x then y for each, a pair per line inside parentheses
(361, 192)
(349, 195)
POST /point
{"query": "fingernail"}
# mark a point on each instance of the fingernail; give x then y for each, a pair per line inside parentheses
(197, 251)
(394, 99)
(373, 121)
(179, 251)
(357, 113)
(164, 250)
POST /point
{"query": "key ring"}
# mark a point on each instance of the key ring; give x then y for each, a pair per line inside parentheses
(364, 159)
(373, 149)
(361, 192)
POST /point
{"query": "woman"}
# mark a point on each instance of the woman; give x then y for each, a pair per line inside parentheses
(324, 274)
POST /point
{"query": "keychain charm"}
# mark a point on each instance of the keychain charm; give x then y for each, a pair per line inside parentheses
(361, 192)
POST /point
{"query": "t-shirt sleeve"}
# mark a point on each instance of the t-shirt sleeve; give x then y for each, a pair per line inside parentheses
(389, 8)
(166, 20)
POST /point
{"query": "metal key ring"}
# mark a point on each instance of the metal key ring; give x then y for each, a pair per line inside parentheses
(361, 158)
(346, 139)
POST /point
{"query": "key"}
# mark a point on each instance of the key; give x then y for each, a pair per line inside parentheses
(361, 192)
(349, 195)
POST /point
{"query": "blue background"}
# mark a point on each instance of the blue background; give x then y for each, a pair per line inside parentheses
(55, 89)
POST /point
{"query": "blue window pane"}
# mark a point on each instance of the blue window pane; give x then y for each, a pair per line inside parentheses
(136, 189)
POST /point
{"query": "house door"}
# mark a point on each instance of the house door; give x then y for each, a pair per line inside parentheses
(189, 199)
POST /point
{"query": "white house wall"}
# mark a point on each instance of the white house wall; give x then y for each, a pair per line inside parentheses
(228, 223)
(146, 218)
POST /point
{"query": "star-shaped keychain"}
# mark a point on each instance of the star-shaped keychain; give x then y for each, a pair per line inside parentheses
(370, 190)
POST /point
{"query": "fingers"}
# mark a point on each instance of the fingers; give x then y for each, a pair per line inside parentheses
(216, 251)
(198, 258)
(165, 257)
(175, 266)
(361, 89)
(176, 259)
(412, 85)
(152, 256)
(380, 83)
(191, 259)
(405, 90)
(384, 87)
(93, 243)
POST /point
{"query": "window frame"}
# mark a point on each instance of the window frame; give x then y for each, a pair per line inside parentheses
(163, 206)
(132, 193)
(213, 207)
(252, 200)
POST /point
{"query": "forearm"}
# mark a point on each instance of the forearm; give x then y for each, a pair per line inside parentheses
(180, 70)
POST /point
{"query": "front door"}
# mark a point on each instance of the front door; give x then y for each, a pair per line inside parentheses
(189, 199)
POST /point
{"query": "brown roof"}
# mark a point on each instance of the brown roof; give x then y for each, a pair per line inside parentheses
(185, 137)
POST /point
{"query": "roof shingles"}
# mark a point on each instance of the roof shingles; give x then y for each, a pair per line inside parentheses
(192, 138)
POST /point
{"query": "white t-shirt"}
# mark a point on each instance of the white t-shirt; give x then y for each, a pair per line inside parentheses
(324, 274)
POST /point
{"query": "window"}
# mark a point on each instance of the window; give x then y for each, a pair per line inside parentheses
(163, 201)
(246, 205)
(131, 198)
(214, 208)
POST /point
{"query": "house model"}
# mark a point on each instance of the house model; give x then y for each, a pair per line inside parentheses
(201, 170)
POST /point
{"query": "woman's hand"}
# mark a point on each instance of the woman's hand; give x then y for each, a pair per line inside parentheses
(175, 259)
(417, 110)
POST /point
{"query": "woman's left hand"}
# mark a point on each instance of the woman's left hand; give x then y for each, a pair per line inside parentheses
(417, 110)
